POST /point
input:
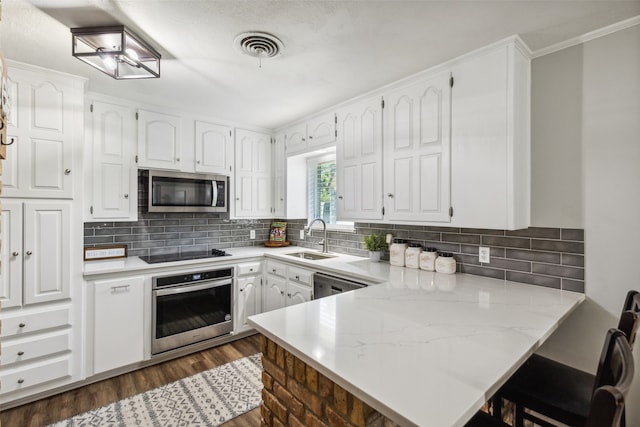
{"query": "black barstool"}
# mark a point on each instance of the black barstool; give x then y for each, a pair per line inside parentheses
(613, 380)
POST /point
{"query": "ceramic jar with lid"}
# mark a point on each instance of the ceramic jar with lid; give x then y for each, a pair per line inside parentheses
(412, 255)
(445, 263)
(396, 252)
(428, 259)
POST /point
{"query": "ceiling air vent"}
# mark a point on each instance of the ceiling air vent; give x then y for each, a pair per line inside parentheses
(259, 45)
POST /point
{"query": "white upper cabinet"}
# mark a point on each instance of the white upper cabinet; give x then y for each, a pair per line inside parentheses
(321, 131)
(359, 160)
(113, 194)
(313, 134)
(418, 151)
(159, 140)
(279, 176)
(214, 148)
(43, 129)
(11, 255)
(491, 160)
(253, 175)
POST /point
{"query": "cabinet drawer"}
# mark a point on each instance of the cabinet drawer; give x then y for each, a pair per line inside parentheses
(277, 269)
(32, 347)
(22, 323)
(249, 268)
(34, 374)
(300, 275)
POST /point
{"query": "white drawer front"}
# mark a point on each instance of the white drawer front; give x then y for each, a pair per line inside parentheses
(24, 323)
(21, 350)
(34, 374)
(249, 268)
(277, 269)
(300, 275)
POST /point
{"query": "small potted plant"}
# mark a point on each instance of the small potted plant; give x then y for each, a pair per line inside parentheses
(375, 244)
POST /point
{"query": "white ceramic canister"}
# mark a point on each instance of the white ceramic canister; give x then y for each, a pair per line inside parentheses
(412, 255)
(396, 252)
(428, 259)
(445, 263)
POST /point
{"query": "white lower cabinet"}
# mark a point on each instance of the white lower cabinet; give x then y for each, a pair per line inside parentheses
(36, 351)
(249, 297)
(117, 310)
(286, 285)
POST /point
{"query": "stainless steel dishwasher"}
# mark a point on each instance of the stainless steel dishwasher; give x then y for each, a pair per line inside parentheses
(325, 285)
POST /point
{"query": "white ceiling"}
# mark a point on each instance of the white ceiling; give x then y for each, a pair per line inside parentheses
(334, 50)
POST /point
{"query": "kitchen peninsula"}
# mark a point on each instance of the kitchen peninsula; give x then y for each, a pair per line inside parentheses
(421, 349)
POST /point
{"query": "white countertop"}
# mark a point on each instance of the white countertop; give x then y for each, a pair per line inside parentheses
(424, 348)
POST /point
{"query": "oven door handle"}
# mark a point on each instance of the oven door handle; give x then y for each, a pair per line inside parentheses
(192, 288)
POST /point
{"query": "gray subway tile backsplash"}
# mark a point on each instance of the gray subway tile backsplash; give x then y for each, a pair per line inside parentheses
(551, 257)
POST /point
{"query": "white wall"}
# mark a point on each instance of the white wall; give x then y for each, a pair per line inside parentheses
(606, 122)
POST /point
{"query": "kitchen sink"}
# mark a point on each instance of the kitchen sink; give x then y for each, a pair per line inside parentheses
(314, 256)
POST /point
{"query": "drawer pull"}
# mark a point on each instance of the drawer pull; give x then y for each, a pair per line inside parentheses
(282, 293)
(14, 253)
(241, 290)
(22, 325)
(67, 171)
(29, 253)
(289, 295)
(115, 289)
(251, 269)
(297, 277)
(21, 380)
(274, 270)
(21, 353)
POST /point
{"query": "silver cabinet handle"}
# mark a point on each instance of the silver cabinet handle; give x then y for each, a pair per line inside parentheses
(67, 171)
(115, 289)
(297, 277)
(390, 195)
(251, 269)
(289, 295)
(198, 161)
(126, 196)
(274, 270)
(14, 253)
(22, 325)
(21, 353)
(177, 159)
(340, 197)
(29, 253)
(282, 293)
(20, 381)
(241, 290)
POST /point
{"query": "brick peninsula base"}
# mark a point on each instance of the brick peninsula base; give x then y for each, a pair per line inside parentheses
(297, 395)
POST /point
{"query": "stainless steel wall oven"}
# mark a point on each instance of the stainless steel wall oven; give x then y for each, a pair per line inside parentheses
(192, 307)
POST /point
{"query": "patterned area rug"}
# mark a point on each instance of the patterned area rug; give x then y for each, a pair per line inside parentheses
(209, 398)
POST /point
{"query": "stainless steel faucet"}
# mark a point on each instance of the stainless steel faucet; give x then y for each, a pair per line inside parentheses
(324, 243)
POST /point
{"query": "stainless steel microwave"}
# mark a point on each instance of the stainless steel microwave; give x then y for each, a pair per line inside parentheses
(187, 192)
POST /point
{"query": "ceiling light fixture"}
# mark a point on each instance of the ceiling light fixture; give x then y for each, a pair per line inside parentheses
(116, 51)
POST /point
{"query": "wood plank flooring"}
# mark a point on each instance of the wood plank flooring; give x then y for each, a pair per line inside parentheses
(74, 402)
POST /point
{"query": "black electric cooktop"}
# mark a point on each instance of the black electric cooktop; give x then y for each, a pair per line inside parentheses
(155, 259)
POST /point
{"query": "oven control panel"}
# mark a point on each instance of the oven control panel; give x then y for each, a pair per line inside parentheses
(181, 279)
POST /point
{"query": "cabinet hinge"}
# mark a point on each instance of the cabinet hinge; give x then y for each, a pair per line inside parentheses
(136, 115)
(91, 108)
(382, 103)
(451, 81)
(450, 210)
(91, 210)
(136, 158)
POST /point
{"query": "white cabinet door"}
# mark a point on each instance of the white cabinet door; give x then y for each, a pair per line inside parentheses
(417, 151)
(274, 293)
(44, 126)
(249, 300)
(214, 148)
(114, 194)
(46, 252)
(11, 255)
(279, 176)
(253, 175)
(118, 320)
(297, 293)
(491, 140)
(359, 161)
(296, 139)
(321, 131)
(159, 140)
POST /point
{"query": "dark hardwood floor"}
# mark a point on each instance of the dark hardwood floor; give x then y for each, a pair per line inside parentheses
(61, 406)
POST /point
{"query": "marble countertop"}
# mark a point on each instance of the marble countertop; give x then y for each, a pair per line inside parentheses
(422, 348)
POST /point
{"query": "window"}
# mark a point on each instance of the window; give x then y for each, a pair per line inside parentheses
(322, 191)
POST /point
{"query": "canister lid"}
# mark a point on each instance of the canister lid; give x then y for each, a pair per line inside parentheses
(415, 245)
(399, 241)
(446, 254)
(430, 249)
